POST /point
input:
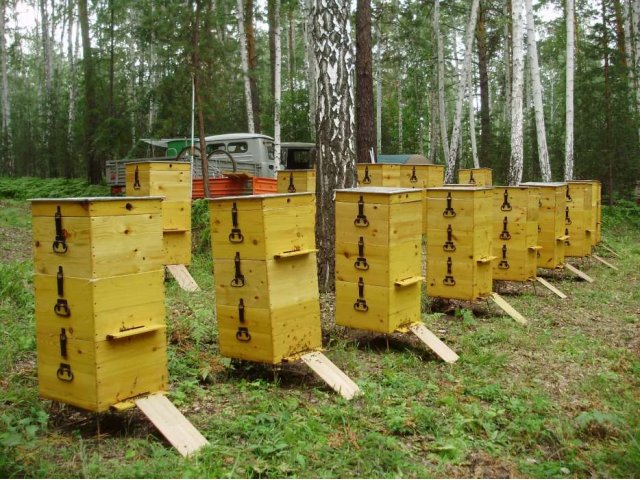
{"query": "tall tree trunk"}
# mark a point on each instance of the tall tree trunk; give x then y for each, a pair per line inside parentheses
(568, 146)
(68, 162)
(608, 144)
(485, 109)
(272, 43)
(508, 42)
(6, 107)
(472, 121)
(197, 84)
(335, 124)
(462, 88)
(365, 129)
(252, 57)
(536, 90)
(94, 167)
(48, 84)
(516, 163)
(442, 113)
(245, 69)
(278, 90)
(400, 107)
(311, 65)
(635, 42)
(378, 89)
(292, 52)
(434, 139)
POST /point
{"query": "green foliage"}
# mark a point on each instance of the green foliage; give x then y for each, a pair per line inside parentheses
(31, 187)
(16, 283)
(200, 226)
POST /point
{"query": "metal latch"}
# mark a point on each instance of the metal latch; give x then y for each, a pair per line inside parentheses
(136, 179)
(238, 280)
(506, 206)
(449, 281)
(471, 179)
(505, 235)
(236, 235)
(567, 219)
(361, 303)
(366, 178)
(361, 261)
(567, 242)
(361, 219)
(504, 264)
(59, 244)
(449, 246)
(61, 308)
(413, 178)
(63, 343)
(292, 187)
(242, 335)
(449, 211)
(568, 195)
(64, 372)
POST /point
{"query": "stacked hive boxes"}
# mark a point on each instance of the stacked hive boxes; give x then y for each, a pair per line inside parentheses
(422, 176)
(515, 233)
(595, 213)
(99, 295)
(378, 174)
(171, 180)
(264, 255)
(378, 251)
(459, 242)
(552, 228)
(296, 181)
(480, 177)
(579, 219)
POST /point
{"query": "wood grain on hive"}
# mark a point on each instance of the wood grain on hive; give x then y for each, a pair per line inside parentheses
(515, 233)
(378, 258)
(552, 228)
(422, 176)
(378, 174)
(296, 181)
(171, 180)
(99, 299)
(579, 218)
(595, 214)
(480, 177)
(264, 256)
(459, 242)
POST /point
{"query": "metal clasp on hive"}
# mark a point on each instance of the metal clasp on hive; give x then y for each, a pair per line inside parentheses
(413, 178)
(449, 246)
(242, 335)
(61, 308)
(505, 235)
(236, 235)
(361, 262)
(292, 187)
(449, 281)
(361, 219)
(504, 264)
(361, 303)
(64, 373)
(506, 206)
(366, 178)
(449, 211)
(136, 179)
(238, 279)
(59, 244)
(567, 219)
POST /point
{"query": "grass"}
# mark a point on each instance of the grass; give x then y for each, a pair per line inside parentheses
(559, 398)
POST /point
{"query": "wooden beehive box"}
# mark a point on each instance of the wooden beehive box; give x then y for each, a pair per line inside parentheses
(296, 181)
(595, 214)
(480, 177)
(579, 219)
(515, 233)
(264, 256)
(99, 299)
(422, 176)
(378, 258)
(552, 228)
(459, 242)
(378, 174)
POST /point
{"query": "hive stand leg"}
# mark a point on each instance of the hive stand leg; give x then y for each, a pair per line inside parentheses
(610, 250)
(172, 424)
(183, 277)
(603, 261)
(434, 343)
(578, 273)
(551, 287)
(508, 309)
(332, 375)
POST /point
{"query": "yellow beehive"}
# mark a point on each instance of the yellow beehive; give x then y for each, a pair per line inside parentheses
(580, 216)
(264, 255)
(296, 181)
(480, 177)
(378, 174)
(552, 228)
(422, 176)
(171, 180)
(378, 258)
(99, 299)
(515, 233)
(597, 195)
(595, 214)
(459, 242)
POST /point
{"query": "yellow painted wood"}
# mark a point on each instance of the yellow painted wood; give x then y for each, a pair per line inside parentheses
(515, 233)
(580, 222)
(378, 175)
(296, 181)
(176, 215)
(104, 373)
(171, 180)
(176, 247)
(115, 241)
(551, 222)
(421, 176)
(98, 307)
(134, 332)
(459, 242)
(480, 177)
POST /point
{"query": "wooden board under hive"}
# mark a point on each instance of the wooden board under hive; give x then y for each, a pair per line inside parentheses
(296, 181)
(515, 233)
(378, 258)
(480, 177)
(459, 242)
(378, 174)
(552, 229)
(99, 298)
(264, 255)
(579, 219)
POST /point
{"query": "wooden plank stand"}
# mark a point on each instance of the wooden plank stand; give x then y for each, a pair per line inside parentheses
(434, 343)
(183, 277)
(171, 423)
(507, 308)
(332, 375)
(578, 273)
(604, 262)
(551, 287)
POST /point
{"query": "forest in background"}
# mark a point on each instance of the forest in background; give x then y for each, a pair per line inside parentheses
(142, 63)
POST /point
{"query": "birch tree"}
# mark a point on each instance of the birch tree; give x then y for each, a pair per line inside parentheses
(277, 94)
(516, 161)
(310, 61)
(568, 146)
(536, 90)
(334, 123)
(472, 121)
(462, 89)
(245, 68)
(442, 114)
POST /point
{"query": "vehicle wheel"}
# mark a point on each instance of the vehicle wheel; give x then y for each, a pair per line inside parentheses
(220, 166)
(185, 154)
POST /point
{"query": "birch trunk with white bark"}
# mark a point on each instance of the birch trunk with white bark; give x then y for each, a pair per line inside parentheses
(472, 121)
(568, 150)
(310, 58)
(277, 94)
(244, 58)
(536, 90)
(442, 114)
(462, 88)
(378, 89)
(516, 162)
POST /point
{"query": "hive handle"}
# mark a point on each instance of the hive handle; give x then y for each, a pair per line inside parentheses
(405, 282)
(294, 253)
(130, 332)
(535, 247)
(488, 259)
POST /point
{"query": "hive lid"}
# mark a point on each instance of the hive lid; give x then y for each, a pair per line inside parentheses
(258, 197)
(91, 199)
(162, 162)
(382, 190)
(544, 184)
(464, 187)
